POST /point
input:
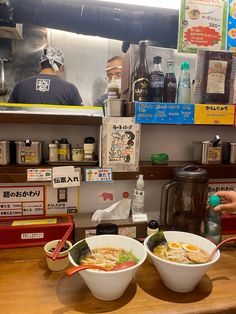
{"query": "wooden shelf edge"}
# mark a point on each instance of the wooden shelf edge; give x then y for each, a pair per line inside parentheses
(31, 118)
(18, 174)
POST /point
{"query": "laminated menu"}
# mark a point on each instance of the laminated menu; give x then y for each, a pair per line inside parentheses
(218, 66)
(202, 24)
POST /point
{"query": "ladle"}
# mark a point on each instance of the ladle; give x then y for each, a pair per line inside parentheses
(73, 270)
(218, 246)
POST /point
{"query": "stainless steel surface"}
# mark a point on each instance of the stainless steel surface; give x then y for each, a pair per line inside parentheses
(3, 90)
(205, 153)
(4, 152)
(114, 108)
(28, 154)
(64, 152)
(233, 153)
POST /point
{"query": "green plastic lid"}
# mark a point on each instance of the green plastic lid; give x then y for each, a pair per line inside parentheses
(185, 65)
(214, 200)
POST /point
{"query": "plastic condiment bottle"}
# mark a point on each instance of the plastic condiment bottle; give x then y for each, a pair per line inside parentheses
(184, 85)
(138, 197)
(153, 227)
(213, 221)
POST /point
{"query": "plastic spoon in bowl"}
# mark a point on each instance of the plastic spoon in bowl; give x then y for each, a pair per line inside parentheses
(73, 270)
(218, 246)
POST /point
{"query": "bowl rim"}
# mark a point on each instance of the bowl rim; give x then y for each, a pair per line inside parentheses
(217, 255)
(140, 262)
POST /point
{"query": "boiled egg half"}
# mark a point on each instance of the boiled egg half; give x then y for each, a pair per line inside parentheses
(174, 245)
(190, 247)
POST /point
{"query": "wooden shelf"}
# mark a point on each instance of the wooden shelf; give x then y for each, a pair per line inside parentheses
(31, 118)
(18, 174)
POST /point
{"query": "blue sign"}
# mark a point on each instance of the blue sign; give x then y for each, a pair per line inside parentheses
(164, 113)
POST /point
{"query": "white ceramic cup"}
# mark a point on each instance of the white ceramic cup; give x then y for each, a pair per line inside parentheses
(62, 260)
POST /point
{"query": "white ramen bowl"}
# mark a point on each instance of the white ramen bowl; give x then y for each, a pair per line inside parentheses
(182, 277)
(110, 285)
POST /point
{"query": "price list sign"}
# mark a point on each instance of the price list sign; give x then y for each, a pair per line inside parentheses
(214, 114)
(164, 113)
(98, 174)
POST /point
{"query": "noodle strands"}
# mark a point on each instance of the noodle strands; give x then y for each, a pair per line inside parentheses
(156, 239)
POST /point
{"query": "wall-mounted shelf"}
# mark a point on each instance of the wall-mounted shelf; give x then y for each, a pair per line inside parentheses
(31, 118)
(18, 174)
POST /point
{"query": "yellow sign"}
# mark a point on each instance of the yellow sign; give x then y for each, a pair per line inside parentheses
(214, 114)
(34, 222)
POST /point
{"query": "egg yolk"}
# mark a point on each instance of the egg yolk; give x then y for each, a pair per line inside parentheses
(191, 247)
(174, 245)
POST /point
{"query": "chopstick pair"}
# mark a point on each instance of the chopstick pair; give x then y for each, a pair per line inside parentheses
(62, 242)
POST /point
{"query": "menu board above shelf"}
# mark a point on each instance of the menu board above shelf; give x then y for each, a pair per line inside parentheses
(187, 114)
(18, 174)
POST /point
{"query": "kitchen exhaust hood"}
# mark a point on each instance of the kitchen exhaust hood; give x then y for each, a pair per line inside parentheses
(10, 30)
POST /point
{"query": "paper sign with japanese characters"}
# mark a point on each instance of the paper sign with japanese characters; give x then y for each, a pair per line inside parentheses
(21, 200)
(62, 200)
(120, 144)
(214, 114)
(40, 174)
(98, 174)
(202, 24)
(65, 176)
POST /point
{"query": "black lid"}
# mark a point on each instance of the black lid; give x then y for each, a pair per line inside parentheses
(153, 224)
(106, 228)
(157, 59)
(89, 140)
(64, 141)
(191, 173)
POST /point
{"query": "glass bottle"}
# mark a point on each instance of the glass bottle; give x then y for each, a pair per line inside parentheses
(157, 81)
(184, 85)
(213, 221)
(140, 76)
(170, 87)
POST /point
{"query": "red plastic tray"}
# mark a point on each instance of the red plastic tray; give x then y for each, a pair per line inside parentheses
(33, 234)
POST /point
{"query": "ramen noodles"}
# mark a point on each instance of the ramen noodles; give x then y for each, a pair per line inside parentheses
(183, 253)
(108, 257)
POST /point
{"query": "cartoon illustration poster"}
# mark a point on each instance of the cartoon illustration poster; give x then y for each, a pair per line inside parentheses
(202, 25)
(231, 31)
(120, 144)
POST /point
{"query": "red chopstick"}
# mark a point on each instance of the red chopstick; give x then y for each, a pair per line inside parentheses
(62, 242)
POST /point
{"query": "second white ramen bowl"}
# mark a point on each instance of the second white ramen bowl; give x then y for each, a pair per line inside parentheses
(182, 277)
(111, 285)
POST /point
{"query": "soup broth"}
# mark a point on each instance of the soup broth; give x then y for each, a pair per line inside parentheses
(108, 257)
(183, 253)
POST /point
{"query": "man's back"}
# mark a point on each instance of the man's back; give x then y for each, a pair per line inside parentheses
(45, 89)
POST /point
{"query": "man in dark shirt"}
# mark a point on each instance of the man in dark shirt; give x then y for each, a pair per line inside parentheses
(114, 72)
(47, 87)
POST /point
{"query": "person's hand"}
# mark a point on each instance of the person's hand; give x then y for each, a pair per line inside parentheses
(228, 201)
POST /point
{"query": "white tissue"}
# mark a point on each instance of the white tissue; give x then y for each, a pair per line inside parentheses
(119, 210)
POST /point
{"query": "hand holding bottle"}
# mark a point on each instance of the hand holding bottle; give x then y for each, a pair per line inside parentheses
(228, 201)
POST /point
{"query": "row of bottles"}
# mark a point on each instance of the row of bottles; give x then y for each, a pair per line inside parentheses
(157, 87)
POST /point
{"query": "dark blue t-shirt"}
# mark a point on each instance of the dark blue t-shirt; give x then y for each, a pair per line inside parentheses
(45, 89)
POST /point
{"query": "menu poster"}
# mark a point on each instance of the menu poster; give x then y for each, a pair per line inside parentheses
(120, 144)
(202, 25)
(231, 31)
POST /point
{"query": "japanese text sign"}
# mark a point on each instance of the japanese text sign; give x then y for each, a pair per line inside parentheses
(214, 114)
(98, 174)
(65, 176)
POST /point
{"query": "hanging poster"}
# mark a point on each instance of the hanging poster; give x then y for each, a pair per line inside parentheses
(120, 144)
(231, 31)
(202, 25)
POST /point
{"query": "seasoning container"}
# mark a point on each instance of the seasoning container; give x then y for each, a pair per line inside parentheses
(208, 152)
(77, 154)
(233, 153)
(28, 153)
(64, 151)
(53, 151)
(4, 153)
(89, 148)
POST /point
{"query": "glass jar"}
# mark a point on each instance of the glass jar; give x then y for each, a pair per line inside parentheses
(77, 154)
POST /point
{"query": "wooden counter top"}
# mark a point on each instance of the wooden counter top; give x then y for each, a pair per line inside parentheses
(28, 287)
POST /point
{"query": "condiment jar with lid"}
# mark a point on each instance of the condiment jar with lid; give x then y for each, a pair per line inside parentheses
(77, 154)
(64, 151)
(53, 150)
